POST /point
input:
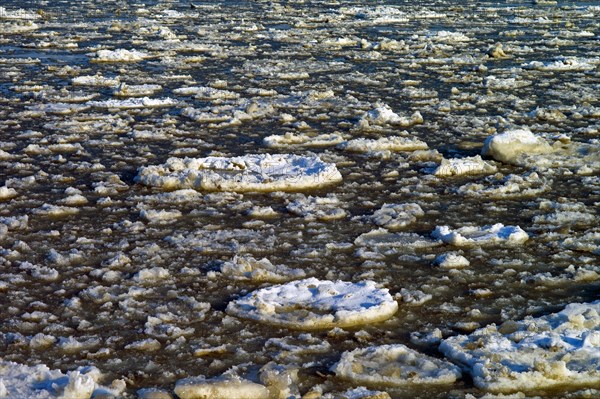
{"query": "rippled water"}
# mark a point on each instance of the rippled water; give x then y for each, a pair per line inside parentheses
(75, 240)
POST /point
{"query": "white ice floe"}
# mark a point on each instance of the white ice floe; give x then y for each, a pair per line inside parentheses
(355, 393)
(561, 64)
(316, 304)
(464, 166)
(510, 145)
(259, 270)
(224, 387)
(588, 242)
(384, 115)
(394, 365)
(302, 140)
(125, 90)
(317, 208)
(451, 260)
(119, 55)
(396, 216)
(95, 80)
(39, 382)
(477, 236)
(131, 103)
(7, 193)
(394, 143)
(20, 14)
(262, 172)
(160, 216)
(207, 93)
(557, 351)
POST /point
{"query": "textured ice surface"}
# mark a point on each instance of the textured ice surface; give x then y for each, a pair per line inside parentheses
(510, 145)
(316, 304)
(464, 166)
(486, 235)
(393, 365)
(397, 143)
(259, 270)
(224, 387)
(119, 55)
(247, 173)
(396, 216)
(560, 349)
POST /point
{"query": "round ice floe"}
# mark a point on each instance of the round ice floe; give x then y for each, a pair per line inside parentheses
(224, 387)
(396, 216)
(464, 166)
(263, 172)
(315, 304)
(508, 146)
(560, 350)
(486, 235)
(394, 365)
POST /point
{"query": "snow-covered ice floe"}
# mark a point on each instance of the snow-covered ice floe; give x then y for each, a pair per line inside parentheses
(464, 166)
(119, 55)
(224, 387)
(262, 172)
(131, 103)
(18, 381)
(394, 143)
(396, 216)
(394, 365)
(508, 146)
(316, 304)
(486, 235)
(259, 270)
(557, 351)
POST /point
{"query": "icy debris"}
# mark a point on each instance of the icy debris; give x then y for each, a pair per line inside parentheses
(512, 186)
(131, 103)
(125, 90)
(413, 297)
(561, 64)
(451, 260)
(162, 216)
(316, 304)
(249, 268)
(224, 387)
(383, 238)
(464, 166)
(356, 393)
(207, 93)
(486, 235)
(18, 14)
(510, 145)
(281, 380)
(95, 80)
(317, 208)
(7, 193)
(152, 275)
(264, 172)
(496, 83)
(302, 140)
(445, 36)
(395, 143)
(39, 382)
(291, 349)
(396, 216)
(588, 242)
(383, 115)
(120, 55)
(557, 351)
(394, 365)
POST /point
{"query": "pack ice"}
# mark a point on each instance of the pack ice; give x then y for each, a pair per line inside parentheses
(558, 350)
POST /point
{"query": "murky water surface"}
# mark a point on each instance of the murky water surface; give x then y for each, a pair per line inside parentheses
(99, 269)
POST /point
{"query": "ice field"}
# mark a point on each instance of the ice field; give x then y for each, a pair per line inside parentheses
(299, 199)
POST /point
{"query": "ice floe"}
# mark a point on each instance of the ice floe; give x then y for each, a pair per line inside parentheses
(120, 55)
(259, 270)
(478, 236)
(510, 145)
(262, 172)
(464, 166)
(557, 351)
(316, 304)
(396, 216)
(394, 365)
(223, 387)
